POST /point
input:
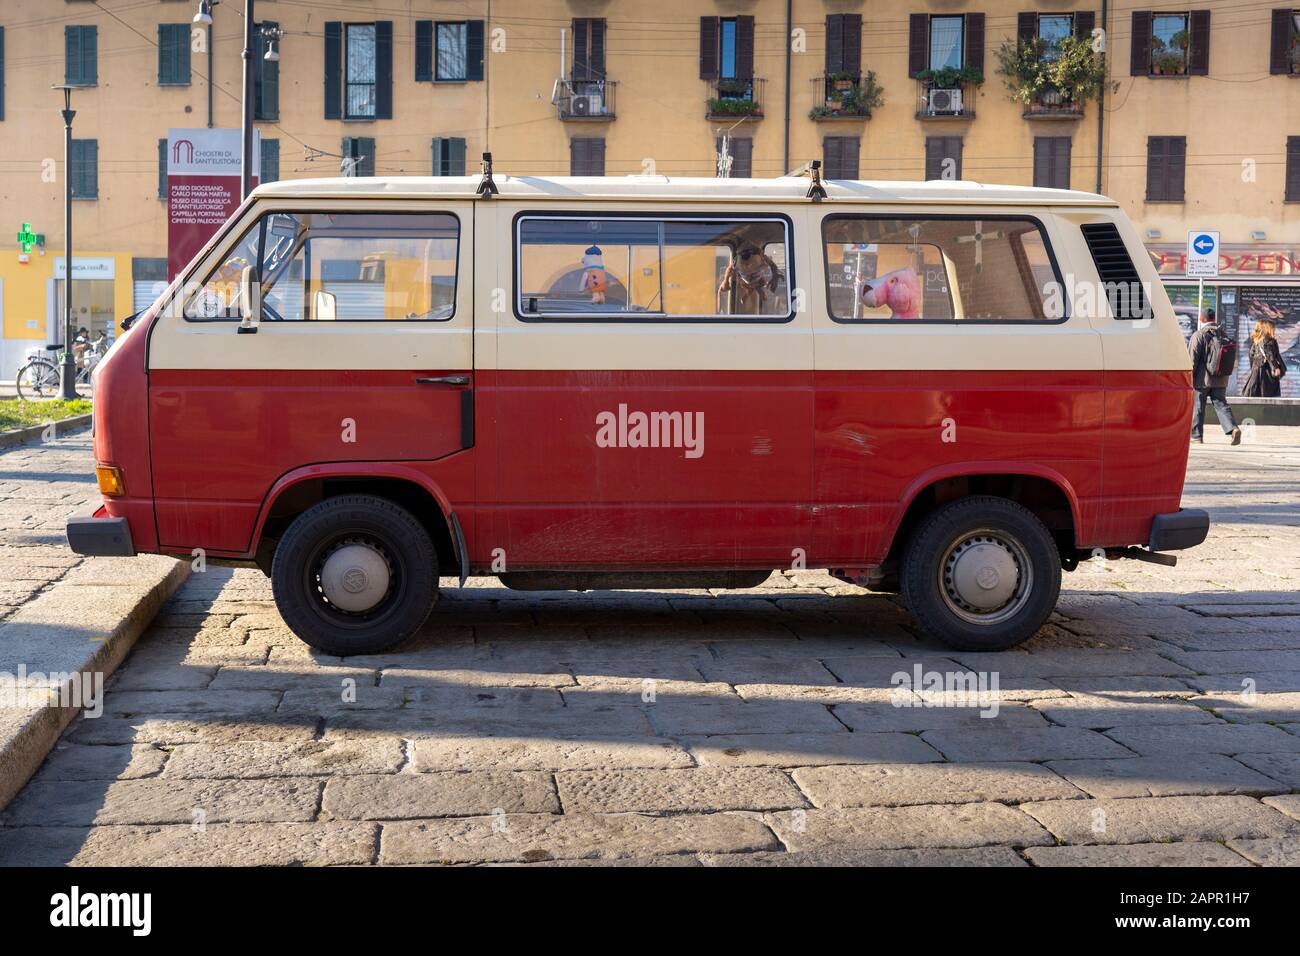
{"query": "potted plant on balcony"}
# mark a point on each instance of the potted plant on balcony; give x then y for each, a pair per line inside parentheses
(1061, 83)
(842, 81)
(950, 77)
(727, 106)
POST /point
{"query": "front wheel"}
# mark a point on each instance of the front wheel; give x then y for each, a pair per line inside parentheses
(981, 574)
(355, 574)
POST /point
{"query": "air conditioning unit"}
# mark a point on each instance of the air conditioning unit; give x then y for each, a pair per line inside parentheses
(587, 104)
(944, 101)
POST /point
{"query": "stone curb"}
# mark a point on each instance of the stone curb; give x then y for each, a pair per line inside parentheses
(63, 426)
(27, 734)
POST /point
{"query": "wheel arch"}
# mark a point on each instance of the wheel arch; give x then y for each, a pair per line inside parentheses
(298, 490)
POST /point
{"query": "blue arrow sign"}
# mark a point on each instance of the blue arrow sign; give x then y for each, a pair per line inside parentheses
(1203, 244)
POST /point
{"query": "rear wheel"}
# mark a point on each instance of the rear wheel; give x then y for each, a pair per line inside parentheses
(356, 574)
(37, 381)
(981, 574)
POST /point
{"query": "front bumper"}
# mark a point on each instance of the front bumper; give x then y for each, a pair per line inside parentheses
(100, 535)
(1184, 528)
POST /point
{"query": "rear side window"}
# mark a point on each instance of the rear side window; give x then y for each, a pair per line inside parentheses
(344, 267)
(612, 268)
(940, 269)
(1119, 277)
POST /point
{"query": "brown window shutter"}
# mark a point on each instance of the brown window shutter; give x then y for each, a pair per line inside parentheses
(581, 63)
(973, 42)
(1085, 21)
(834, 42)
(1293, 169)
(832, 156)
(1156, 166)
(577, 157)
(597, 157)
(1052, 161)
(708, 48)
(918, 43)
(1140, 38)
(849, 157)
(932, 157)
(1279, 53)
(853, 43)
(1198, 55)
(1042, 161)
(1177, 159)
(1061, 161)
(744, 48)
(742, 153)
(596, 62)
(939, 148)
(1026, 27)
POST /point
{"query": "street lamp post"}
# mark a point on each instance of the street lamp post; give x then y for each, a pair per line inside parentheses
(68, 372)
(246, 160)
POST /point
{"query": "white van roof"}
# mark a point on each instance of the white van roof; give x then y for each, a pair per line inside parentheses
(782, 188)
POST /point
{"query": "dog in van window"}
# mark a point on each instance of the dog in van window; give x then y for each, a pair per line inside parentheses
(755, 278)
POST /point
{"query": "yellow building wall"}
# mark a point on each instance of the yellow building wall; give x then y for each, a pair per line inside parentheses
(26, 284)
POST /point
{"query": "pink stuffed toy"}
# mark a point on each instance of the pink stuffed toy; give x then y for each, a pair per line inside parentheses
(900, 290)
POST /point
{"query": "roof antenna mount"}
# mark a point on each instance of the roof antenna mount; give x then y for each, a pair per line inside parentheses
(816, 191)
(487, 188)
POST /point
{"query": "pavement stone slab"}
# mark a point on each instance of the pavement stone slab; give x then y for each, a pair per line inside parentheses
(891, 828)
(804, 750)
(1034, 744)
(249, 760)
(1166, 776)
(694, 790)
(1140, 854)
(1160, 819)
(472, 752)
(415, 796)
(1216, 738)
(893, 785)
(1284, 851)
(984, 856)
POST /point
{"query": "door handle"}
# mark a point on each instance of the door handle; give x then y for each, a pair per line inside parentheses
(444, 380)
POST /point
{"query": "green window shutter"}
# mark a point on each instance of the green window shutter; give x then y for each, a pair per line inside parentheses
(266, 78)
(173, 54)
(80, 47)
(437, 154)
(162, 168)
(366, 149)
(270, 171)
(84, 171)
(455, 156)
(474, 49)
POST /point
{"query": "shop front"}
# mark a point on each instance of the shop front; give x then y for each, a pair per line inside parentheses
(1256, 281)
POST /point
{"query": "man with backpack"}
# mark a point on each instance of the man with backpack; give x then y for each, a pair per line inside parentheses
(1214, 356)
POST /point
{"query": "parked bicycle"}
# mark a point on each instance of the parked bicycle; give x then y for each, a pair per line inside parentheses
(39, 379)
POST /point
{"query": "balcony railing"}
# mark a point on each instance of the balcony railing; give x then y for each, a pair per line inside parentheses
(1051, 105)
(736, 100)
(839, 98)
(584, 99)
(946, 102)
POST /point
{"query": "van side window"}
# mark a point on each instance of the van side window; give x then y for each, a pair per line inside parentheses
(643, 268)
(344, 267)
(940, 269)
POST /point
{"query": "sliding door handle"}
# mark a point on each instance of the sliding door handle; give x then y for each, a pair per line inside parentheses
(444, 380)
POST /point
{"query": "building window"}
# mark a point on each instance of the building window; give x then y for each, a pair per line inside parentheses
(1052, 161)
(162, 168)
(945, 42)
(451, 51)
(1170, 44)
(84, 171)
(359, 68)
(727, 55)
(880, 269)
(840, 157)
(270, 169)
(448, 156)
(173, 54)
(1284, 50)
(1292, 169)
(80, 56)
(358, 156)
(587, 156)
(844, 44)
(943, 157)
(588, 48)
(1166, 164)
(266, 76)
(735, 157)
(1052, 29)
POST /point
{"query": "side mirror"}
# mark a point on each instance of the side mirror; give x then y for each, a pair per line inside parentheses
(250, 300)
(323, 306)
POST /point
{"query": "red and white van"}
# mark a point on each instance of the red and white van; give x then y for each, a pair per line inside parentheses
(943, 388)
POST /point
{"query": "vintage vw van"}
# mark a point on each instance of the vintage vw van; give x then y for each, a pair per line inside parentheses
(361, 385)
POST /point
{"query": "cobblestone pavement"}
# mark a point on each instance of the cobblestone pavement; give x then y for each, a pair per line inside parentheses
(1155, 720)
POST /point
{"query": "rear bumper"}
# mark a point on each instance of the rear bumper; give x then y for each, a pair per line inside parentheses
(100, 535)
(1184, 528)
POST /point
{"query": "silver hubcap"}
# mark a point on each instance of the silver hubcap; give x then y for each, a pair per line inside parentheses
(355, 577)
(985, 577)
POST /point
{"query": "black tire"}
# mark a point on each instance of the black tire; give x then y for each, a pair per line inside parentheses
(937, 589)
(409, 575)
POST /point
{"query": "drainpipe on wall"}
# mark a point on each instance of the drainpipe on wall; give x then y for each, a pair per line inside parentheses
(1101, 97)
(789, 31)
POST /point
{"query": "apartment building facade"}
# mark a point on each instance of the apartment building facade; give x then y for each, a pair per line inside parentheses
(1199, 123)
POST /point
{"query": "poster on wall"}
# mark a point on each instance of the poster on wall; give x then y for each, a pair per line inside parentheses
(203, 187)
(1281, 306)
(1183, 299)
